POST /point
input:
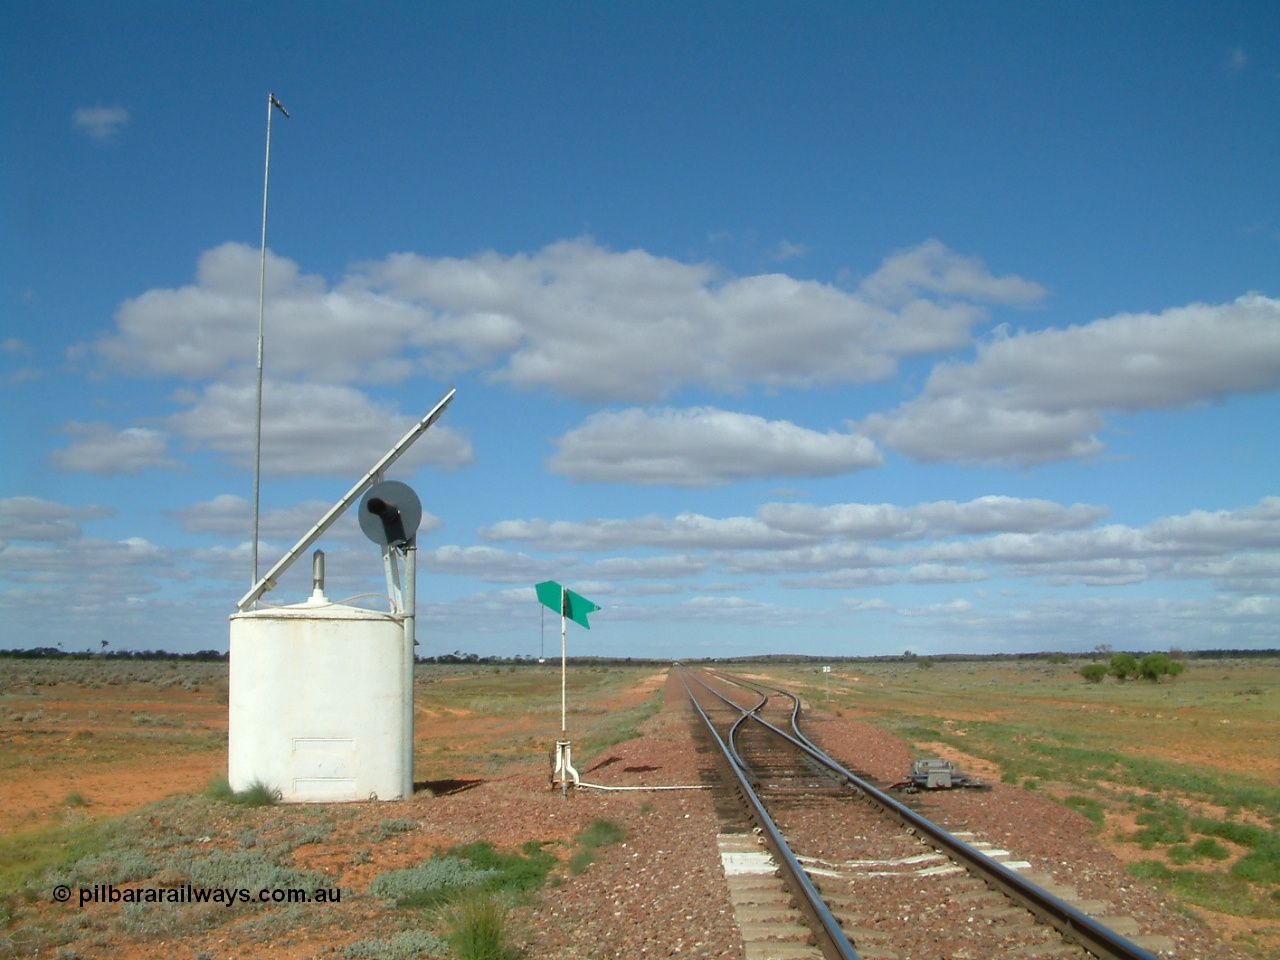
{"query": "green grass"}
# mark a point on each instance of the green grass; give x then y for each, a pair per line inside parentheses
(26, 857)
(257, 794)
(601, 833)
(1088, 806)
(479, 929)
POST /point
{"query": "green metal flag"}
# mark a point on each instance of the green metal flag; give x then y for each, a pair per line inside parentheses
(565, 602)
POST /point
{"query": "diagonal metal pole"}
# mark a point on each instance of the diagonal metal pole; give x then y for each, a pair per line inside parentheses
(272, 103)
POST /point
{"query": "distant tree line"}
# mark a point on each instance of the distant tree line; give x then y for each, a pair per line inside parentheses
(54, 653)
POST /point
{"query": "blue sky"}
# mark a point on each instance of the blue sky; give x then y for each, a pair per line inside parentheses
(827, 328)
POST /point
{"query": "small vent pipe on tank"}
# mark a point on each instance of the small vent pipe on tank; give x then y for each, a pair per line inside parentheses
(317, 577)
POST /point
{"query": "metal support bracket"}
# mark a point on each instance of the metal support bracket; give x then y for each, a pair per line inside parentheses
(562, 773)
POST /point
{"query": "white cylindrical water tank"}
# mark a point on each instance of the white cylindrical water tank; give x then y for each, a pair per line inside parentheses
(321, 703)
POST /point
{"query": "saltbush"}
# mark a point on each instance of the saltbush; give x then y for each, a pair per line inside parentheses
(431, 882)
(406, 945)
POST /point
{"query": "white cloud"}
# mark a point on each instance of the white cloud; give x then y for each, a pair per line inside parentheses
(782, 526)
(703, 447)
(310, 428)
(613, 588)
(925, 573)
(572, 317)
(932, 268)
(883, 521)
(95, 567)
(102, 449)
(1237, 59)
(1248, 573)
(949, 609)
(33, 518)
(685, 531)
(786, 250)
(858, 605)
(947, 542)
(599, 325)
(100, 123)
(14, 346)
(347, 334)
(1144, 623)
(1041, 396)
(632, 568)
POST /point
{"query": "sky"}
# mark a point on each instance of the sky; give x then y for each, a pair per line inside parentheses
(829, 328)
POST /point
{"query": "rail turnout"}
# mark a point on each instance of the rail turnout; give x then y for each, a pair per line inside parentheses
(870, 877)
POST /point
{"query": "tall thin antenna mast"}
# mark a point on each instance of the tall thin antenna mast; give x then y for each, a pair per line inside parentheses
(262, 299)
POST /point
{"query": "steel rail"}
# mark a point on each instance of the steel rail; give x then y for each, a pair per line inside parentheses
(833, 943)
(1071, 923)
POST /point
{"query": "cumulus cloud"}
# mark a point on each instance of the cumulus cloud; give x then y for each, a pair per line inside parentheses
(1041, 396)
(780, 526)
(310, 428)
(703, 447)
(574, 317)
(932, 268)
(882, 521)
(34, 518)
(600, 325)
(925, 573)
(100, 123)
(856, 546)
(132, 565)
(103, 449)
(684, 531)
(644, 568)
(341, 335)
(1144, 622)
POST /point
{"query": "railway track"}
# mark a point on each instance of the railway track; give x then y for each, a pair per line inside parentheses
(821, 863)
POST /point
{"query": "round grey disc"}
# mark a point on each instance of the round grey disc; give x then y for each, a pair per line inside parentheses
(396, 494)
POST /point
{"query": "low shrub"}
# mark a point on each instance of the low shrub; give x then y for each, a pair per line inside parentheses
(431, 882)
(406, 945)
(1154, 666)
(1123, 666)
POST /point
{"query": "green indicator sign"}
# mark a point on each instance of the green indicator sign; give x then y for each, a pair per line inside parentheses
(565, 602)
